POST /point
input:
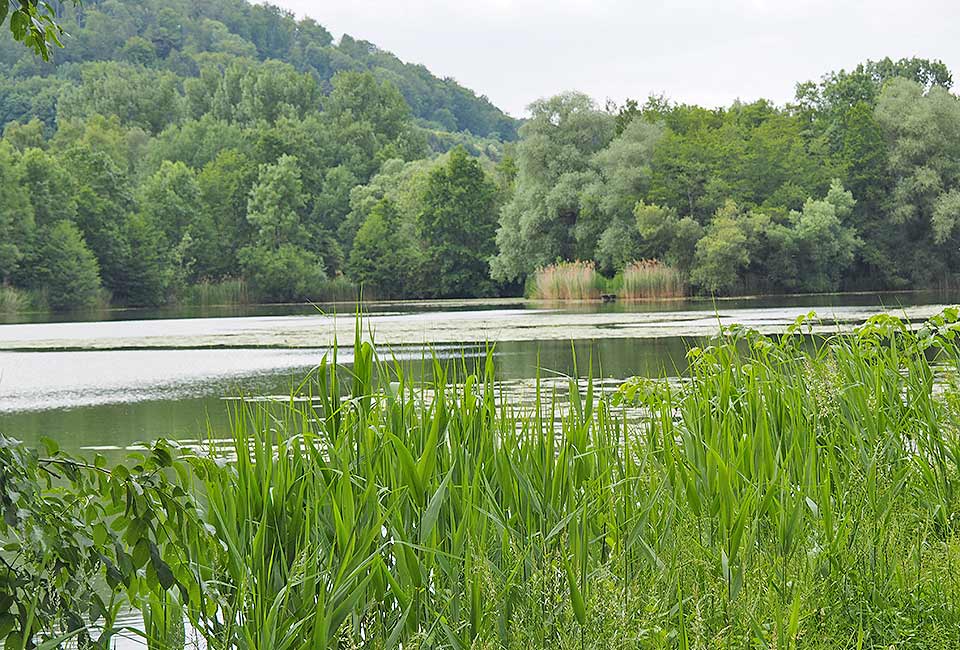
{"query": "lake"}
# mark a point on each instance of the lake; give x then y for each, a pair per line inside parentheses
(109, 380)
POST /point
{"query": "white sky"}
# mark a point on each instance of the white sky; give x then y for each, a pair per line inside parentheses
(695, 51)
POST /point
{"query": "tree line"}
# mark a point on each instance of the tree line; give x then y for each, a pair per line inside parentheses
(167, 144)
(853, 185)
(175, 144)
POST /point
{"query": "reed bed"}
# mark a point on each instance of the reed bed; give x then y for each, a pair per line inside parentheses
(787, 492)
(651, 280)
(207, 293)
(339, 289)
(783, 495)
(13, 301)
(567, 281)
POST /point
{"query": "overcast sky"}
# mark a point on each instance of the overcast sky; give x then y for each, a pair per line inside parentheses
(696, 51)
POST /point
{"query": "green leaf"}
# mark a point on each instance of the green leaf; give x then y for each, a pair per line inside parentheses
(576, 597)
(430, 515)
(164, 574)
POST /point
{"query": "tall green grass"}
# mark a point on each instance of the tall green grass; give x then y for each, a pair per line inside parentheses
(207, 293)
(236, 291)
(787, 492)
(13, 301)
(567, 281)
(652, 279)
(339, 289)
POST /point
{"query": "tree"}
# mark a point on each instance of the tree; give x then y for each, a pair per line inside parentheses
(276, 203)
(278, 265)
(66, 268)
(607, 229)
(384, 257)
(139, 96)
(403, 184)
(149, 268)
(51, 188)
(826, 246)
(16, 214)
(553, 158)
(103, 202)
(224, 185)
(457, 222)
(922, 131)
(169, 199)
(282, 274)
(361, 97)
(722, 252)
(665, 237)
(139, 51)
(25, 136)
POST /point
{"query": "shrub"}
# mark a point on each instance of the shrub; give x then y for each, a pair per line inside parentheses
(282, 274)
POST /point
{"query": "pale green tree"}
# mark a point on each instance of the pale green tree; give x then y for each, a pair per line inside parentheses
(827, 247)
(539, 224)
(721, 254)
(277, 202)
(922, 128)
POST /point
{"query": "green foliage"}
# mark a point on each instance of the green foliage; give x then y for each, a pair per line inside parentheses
(229, 127)
(169, 198)
(67, 270)
(81, 540)
(16, 213)
(656, 185)
(783, 487)
(384, 257)
(276, 202)
(457, 223)
(34, 24)
(220, 127)
(722, 252)
(149, 271)
(826, 246)
(360, 97)
(282, 273)
(139, 96)
(923, 137)
(539, 224)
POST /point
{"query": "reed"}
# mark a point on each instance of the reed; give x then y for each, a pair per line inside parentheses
(13, 301)
(338, 289)
(787, 492)
(567, 281)
(208, 293)
(794, 491)
(651, 280)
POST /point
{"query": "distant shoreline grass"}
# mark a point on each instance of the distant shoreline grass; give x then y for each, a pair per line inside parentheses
(234, 293)
(567, 281)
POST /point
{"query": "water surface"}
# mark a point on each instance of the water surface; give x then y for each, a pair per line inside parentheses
(125, 376)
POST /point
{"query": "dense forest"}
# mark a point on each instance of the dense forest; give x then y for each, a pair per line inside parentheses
(854, 185)
(171, 146)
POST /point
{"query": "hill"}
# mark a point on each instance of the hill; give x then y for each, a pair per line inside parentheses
(185, 38)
